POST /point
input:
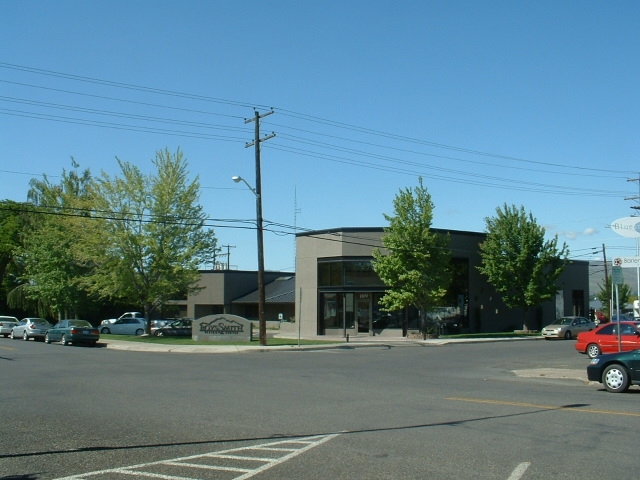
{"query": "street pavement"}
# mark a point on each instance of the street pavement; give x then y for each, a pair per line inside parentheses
(358, 342)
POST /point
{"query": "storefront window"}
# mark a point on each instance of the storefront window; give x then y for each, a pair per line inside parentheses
(353, 273)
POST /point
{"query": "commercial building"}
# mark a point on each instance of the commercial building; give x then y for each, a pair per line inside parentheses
(338, 293)
(234, 292)
(335, 291)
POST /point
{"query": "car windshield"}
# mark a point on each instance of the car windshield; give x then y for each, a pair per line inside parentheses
(41, 323)
(564, 321)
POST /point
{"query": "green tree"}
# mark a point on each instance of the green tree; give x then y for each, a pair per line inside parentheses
(517, 260)
(155, 237)
(604, 295)
(12, 224)
(416, 267)
(58, 223)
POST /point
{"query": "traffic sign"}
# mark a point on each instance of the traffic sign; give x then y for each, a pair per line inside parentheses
(617, 275)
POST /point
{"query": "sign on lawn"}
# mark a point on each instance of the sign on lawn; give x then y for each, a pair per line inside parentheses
(222, 327)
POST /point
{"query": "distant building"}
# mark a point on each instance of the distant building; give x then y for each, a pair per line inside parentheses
(235, 292)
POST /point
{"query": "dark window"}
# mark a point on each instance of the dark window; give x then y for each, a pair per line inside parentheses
(345, 272)
(608, 330)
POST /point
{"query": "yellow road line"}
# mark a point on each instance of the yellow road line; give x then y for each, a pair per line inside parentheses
(8, 348)
(544, 407)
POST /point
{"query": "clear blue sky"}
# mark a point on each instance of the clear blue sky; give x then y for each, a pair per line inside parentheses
(533, 103)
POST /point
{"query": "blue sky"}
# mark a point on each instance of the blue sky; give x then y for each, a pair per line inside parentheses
(532, 103)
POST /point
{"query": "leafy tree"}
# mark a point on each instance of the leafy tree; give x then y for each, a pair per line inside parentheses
(58, 222)
(12, 224)
(517, 260)
(154, 239)
(604, 295)
(416, 268)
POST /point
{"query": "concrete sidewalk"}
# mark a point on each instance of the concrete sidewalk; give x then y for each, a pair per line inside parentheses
(357, 342)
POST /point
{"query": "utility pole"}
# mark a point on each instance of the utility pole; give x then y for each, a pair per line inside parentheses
(258, 192)
(228, 247)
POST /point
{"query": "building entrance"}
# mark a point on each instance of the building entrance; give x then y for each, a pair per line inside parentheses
(363, 312)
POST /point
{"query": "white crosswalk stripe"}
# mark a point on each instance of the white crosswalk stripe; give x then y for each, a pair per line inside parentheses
(232, 464)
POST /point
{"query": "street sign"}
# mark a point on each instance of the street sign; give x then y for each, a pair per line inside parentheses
(626, 262)
(617, 275)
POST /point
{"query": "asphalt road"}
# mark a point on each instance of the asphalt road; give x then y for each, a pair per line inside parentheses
(410, 412)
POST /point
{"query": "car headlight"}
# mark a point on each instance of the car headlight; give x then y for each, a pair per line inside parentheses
(594, 361)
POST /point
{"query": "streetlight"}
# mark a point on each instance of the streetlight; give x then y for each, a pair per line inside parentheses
(261, 297)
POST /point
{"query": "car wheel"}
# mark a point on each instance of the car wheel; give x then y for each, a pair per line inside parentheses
(63, 340)
(593, 350)
(567, 335)
(47, 340)
(93, 343)
(139, 332)
(12, 336)
(158, 333)
(25, 337)
(105, 331)
(615, 378)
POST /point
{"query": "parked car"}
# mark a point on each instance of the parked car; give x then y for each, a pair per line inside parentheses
(568, 327)
(177, 328)
(72, 331)
(604, 339)
(124, 315)
(616, 371)
(124, 326)
(6, 324)
(27, 328)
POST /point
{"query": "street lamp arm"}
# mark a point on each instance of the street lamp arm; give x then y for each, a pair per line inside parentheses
(240, 179)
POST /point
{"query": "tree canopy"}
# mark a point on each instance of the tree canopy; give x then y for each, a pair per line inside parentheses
(155, 237)
(518, 261)
(57, 222)
(416, 265)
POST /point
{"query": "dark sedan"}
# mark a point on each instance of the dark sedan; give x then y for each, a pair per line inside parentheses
(178, 328)
(72, 331)
(616, 371)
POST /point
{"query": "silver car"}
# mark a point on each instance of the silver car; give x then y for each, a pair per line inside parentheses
(124, 326)
(27, 328)
(568, 327)
(6, 324)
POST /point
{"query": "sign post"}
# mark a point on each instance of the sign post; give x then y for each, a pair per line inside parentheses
(616, 275)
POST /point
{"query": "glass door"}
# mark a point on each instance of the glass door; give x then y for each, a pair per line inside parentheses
(363, 312)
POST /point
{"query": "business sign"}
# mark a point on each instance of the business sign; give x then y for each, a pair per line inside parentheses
(626, 262)
(627, 227)
(222, 327)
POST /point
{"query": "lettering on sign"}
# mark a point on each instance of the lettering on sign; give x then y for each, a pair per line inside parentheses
(222, 327)
(627, 227)
(626, 262)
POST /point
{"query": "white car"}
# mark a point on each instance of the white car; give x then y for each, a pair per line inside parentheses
(124, 326)
(6, 324)
(27, 328)
(124, 315)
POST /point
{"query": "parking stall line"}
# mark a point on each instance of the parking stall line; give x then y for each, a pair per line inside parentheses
(252, 459)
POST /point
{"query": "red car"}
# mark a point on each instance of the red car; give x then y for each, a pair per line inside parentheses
(604, 339)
